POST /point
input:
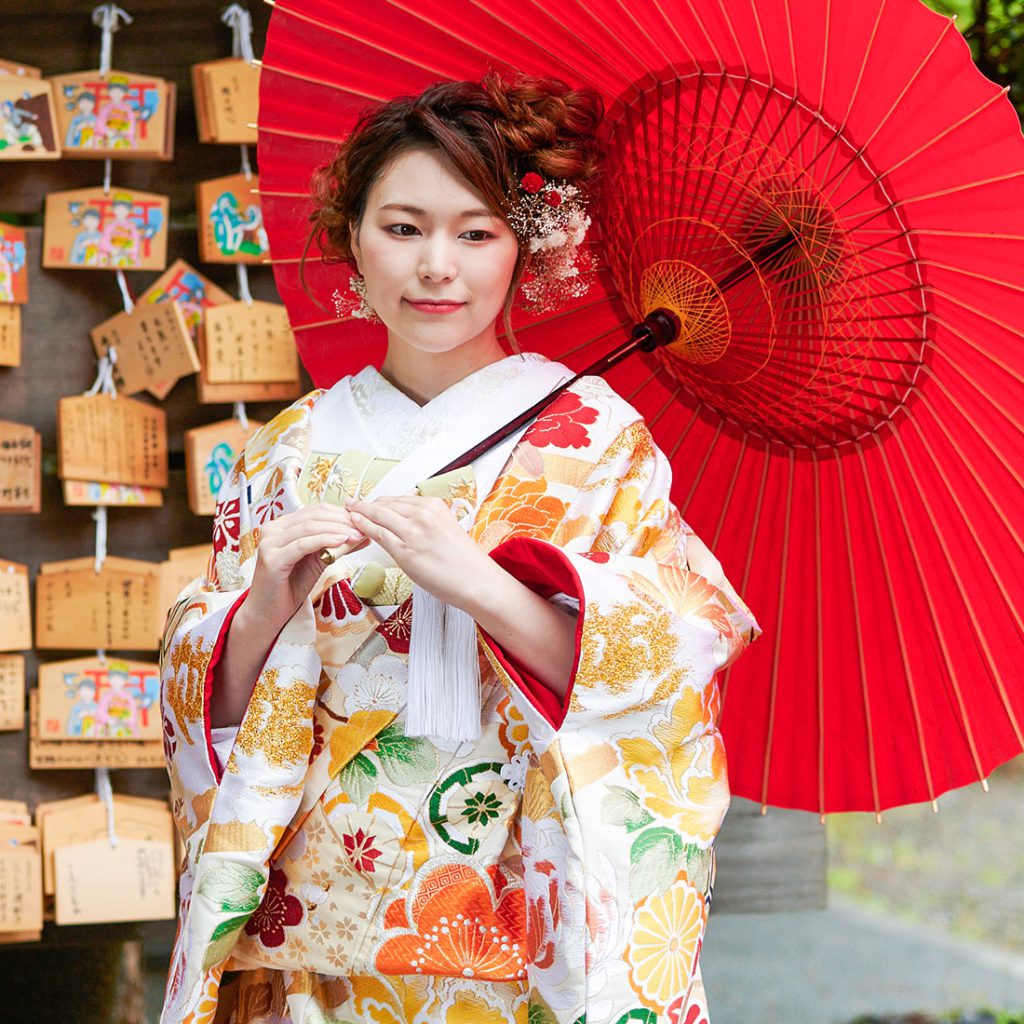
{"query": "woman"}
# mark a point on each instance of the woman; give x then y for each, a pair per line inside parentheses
(470, 771)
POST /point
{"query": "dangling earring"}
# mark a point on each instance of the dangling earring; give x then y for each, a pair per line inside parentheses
(359, 306)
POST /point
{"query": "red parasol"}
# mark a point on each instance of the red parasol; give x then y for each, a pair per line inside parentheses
(843, 417)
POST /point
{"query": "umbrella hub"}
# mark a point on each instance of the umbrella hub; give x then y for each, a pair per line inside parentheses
(698, 302)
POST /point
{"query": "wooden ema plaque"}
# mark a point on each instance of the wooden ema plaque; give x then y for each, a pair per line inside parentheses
(119, 440)
(13, 265)
(193, 293)
(12, 692)
(15, 617)
(153, 345)
(113, 609)
(20, 467)
(89, 229)
(118, 116)
(65, 754)
(10, 335)
(93, 699)
(98, 492)
(21, 884)
(227, 100)
(183, 565)
(10, 67)
(28, 122)
(230, 220)
(249, 342)
(209, 393)
(84, 819)
(210, 453)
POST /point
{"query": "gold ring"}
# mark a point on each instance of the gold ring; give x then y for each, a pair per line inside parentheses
(326, 557)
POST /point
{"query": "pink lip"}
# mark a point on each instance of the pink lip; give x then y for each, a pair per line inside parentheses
(435, 307)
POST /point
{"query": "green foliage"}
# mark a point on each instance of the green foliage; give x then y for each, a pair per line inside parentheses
(994, 30)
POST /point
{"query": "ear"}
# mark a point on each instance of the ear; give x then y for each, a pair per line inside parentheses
(353, 243)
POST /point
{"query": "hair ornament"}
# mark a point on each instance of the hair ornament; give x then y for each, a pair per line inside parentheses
(549, 217)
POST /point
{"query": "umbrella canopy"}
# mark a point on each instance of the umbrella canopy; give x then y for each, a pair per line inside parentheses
(843, 415)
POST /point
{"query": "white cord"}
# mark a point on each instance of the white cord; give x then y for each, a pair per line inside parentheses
(246, 166)
(104, 382)
(241, 416)
(105, 791)
(241, 31)
(242, 272)
(108, 17)
(100, 516)
(126, 296)
(108, 166)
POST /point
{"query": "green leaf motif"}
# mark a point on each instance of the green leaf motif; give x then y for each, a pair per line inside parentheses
(655, 858)
(358, 778)
(232, 887)
(539, 1012)
(621, 806)
(641, 1015)
(406, 760)
(223, 940)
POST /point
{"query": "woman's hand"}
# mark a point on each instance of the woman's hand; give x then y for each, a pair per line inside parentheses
(288, 560)
(425, 540)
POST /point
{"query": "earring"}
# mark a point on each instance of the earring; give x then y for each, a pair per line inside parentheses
(357, 307)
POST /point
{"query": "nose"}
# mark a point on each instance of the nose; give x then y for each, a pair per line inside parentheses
(437, 260)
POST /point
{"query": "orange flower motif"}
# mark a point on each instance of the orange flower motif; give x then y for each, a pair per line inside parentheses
(462, 926)
(513, 731)
(520, 507)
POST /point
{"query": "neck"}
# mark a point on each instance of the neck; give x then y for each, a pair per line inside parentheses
(422, 376)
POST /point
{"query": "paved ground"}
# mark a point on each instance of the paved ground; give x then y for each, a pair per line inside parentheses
(830, 966)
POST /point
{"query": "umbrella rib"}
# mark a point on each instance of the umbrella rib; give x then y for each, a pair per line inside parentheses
(777, 652)
(820, 626)
(336, 139)
(686, 429)
(640, 387)
(940, 384)
(898, 622)
(750, 550)
(862, 148)
(1002, 324)
(979, 480)
(932, 610)
(668, 401)
(789, 40)
(769, 67)
(924, 260)
(698, 473)
(859, 631)
(728, 493)
(322, 82)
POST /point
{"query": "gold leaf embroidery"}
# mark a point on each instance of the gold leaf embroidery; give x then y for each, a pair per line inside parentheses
(283, 732)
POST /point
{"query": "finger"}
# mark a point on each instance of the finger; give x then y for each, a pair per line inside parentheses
(287, 557)
(378, 530)
(381, 516)
(292, 527)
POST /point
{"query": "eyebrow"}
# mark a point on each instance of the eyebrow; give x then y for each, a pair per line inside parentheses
(478, 212)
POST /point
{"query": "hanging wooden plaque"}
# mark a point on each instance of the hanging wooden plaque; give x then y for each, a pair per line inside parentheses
(92, 699)
(99, 492)
(118, 116)
(227, 100)
(192, 291)
(153, 344)
(20, 467)
(230, 220)
(120, 440)
(13, 264)
(15, 614)
(12, 692)
(28, 121)
(64, 754)
(209, 393)
(114, 609)
(10, 335)
(89, 229)
(183, 565)
(249, 342)
(10, 67)
(210, 452)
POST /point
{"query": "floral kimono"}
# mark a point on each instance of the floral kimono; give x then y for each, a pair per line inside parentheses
(560, 868)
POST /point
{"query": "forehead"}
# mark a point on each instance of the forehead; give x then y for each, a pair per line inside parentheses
(424, 177)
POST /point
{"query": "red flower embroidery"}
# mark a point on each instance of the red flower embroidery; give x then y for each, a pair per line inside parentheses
(318, 740)
(277, 910)
(397, 628)
(269, 508)
(339, 602)
(170, 744)
(226, 525)
(596, 556)
(553, 198)
(562, 424)
(360, 849)
(532, 182)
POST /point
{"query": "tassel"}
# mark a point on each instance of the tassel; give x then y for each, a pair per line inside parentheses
(444, 672)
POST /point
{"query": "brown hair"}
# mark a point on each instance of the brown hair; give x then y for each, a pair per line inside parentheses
(493, 132)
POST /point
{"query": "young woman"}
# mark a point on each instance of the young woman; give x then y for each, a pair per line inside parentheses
(469, 771)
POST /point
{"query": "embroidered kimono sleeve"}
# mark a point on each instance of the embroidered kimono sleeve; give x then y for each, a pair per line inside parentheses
(628, 785)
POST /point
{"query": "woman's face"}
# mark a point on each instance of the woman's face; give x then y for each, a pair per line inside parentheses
(437, 262)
